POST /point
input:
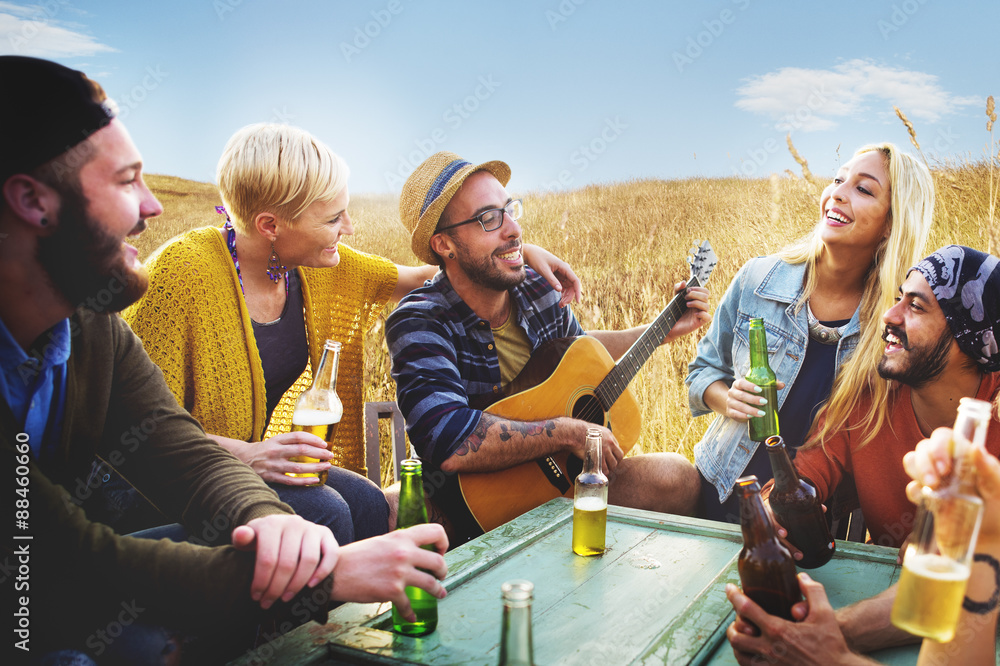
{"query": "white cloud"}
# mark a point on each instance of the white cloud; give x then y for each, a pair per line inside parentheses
(33, 31)
(815, 99)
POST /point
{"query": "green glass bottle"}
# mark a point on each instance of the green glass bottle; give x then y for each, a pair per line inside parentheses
(413, 511)
(761, 374)
(515, 633)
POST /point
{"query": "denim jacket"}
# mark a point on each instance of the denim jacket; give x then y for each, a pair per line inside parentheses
(765, 287)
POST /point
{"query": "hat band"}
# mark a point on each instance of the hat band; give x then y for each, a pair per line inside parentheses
(441, 182)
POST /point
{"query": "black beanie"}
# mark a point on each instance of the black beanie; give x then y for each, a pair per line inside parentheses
(49, 109)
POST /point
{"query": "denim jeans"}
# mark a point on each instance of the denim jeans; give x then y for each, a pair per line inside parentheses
(349, 504)
(352, 507)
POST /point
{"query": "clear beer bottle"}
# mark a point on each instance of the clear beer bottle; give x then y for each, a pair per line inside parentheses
(318, 409)
(762, 427)
(590, 500)
(797, 508)
(767, 570)
(938, 557)
(515, 633)
(413, 511)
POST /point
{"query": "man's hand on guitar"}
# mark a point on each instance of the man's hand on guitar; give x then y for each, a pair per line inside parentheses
(610, 456)
(697, 314)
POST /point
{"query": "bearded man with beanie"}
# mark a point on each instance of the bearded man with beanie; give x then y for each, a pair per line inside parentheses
(76, 383)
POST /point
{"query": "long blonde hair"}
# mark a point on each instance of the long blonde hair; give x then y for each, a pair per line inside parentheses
(911, 211)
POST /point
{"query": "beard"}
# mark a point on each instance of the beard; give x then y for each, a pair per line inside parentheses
(925, 363)
(84, 263)
(485, 272)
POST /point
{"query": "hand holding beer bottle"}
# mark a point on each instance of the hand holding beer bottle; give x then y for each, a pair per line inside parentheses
(319, 410)
(939, 557)
(765, 423)
(767, 570)
(797, 508)
(413, 511)
(930, 465)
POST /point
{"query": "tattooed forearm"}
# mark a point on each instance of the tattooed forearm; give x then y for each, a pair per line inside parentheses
(475, 440)
(507, 430)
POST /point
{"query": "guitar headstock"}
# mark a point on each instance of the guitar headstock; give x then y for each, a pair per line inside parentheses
(703, 261)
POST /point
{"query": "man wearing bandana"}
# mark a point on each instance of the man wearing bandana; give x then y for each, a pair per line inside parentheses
(941, 346)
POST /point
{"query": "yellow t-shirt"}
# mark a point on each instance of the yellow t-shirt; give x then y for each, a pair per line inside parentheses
(513, 346)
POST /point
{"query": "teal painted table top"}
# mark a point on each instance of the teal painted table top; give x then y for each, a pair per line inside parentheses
(655, 597)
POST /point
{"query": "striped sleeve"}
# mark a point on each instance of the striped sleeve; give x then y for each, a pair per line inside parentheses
(429, 390)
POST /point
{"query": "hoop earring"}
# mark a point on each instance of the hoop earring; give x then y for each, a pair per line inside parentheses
(275, 271)
(44, 222)
(451, 255)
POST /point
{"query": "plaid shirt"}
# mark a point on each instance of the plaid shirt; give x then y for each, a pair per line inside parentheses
(443, 353)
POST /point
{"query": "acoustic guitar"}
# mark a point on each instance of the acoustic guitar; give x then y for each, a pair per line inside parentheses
(570, 377)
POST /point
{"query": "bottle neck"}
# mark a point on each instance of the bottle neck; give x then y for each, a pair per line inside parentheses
(754, 520)
(412, 510)
(971, 425)
(785, 476)
(758, 348)
(592, 462)
(515, 644)
(326, 375)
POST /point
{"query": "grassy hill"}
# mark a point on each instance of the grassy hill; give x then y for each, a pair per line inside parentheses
(628, 242)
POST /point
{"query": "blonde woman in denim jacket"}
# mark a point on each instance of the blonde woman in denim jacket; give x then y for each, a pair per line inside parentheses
(820, 299)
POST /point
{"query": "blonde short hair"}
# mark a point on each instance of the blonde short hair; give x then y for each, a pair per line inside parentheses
(277, 169)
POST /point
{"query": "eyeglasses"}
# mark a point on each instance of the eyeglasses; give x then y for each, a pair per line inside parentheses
(492, 219)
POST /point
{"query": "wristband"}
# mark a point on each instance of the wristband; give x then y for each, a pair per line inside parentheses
(984, 607)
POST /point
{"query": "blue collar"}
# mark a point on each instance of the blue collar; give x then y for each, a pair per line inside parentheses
(52, 348)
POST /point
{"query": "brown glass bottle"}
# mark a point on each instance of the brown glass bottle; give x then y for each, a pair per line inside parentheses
(767, 570)
(797, 508)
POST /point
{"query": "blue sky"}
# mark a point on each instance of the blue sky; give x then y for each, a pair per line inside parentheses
(569, 92)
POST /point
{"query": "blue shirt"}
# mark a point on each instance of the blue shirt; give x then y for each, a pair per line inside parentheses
(443, 354)
(33, 384)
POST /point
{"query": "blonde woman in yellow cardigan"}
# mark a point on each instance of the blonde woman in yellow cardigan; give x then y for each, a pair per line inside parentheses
(236, 318)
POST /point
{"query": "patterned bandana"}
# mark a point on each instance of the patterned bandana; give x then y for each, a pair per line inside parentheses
(966, 283)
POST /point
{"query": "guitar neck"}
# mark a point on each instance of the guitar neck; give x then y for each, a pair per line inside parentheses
(612, 386)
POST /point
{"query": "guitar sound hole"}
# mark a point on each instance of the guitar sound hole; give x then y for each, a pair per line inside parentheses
(587, 408)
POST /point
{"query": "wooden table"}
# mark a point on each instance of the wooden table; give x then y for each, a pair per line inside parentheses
(655, 597)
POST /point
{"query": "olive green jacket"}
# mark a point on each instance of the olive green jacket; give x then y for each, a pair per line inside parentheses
(77, 577)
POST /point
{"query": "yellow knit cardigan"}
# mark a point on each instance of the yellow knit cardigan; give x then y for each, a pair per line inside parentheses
(195, 326)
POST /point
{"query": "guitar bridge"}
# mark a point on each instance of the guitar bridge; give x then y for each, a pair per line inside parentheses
(550, 468)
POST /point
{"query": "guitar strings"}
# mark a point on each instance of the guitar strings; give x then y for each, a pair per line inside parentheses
(614, 379)
(607, 396)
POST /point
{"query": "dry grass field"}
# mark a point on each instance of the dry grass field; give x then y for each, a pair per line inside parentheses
(628, 242)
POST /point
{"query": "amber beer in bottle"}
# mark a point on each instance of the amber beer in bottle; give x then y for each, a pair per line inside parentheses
(515, 634)
(939, 555)
(762, 427)
(318, 410)
(590, 500)
(767, 570)
(413, 511)
(797, 508)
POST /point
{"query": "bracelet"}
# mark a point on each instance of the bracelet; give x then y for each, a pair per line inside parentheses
(984, 607)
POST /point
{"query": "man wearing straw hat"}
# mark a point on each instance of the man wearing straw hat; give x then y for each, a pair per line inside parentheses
(471, 329)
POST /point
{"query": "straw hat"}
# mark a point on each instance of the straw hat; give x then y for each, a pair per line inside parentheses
(427, 192)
